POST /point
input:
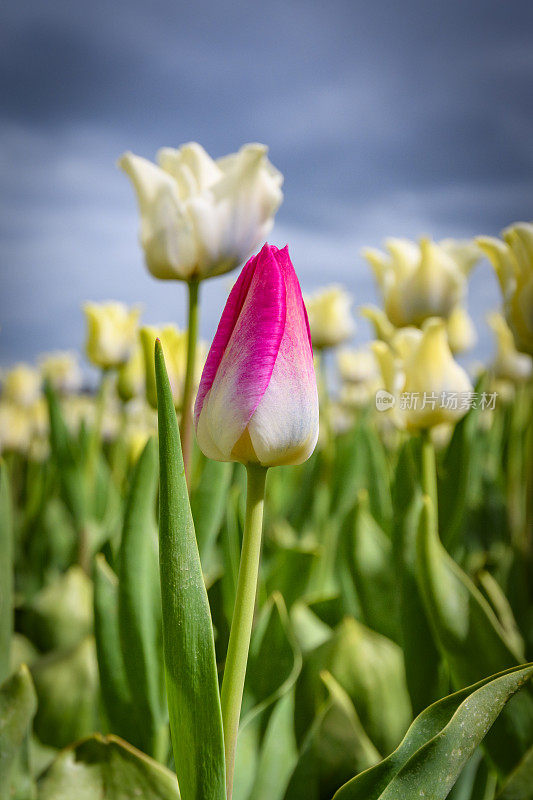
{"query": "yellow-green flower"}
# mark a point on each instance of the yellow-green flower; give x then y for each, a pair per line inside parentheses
(460, 329)
(419, 281)
(111, 333)
(330, 319)
(63, 371)
(131, 376)
(508, 364)
(428, 386)
(512, 259)
(21, 385)
(174, 342)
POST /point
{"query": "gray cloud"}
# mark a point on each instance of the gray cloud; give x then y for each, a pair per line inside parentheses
(386, 119)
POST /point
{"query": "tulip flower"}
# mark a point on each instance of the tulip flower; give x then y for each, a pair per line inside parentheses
(513, 261)
(421, 281)
(257, 403)
(330, 320)
(357, 365)
(508, 364)
(21, 385)
(62, 370)
(174, 342)
(131, 376)
(257, 400)
(460, 330)
(111, 333)
(200, 218)
(419, 366)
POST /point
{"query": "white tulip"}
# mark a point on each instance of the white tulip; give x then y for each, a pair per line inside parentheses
(202, 217)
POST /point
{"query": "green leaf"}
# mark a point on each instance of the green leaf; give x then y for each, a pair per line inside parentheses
(471, 638)
(279, 753)
(139, 606)
(67, 688)
(336, 747)
(519, 785)
(208, 505)
(370, 669)
(69, 460)
(118, 704)
(6, 571)
(62, 613)
(457, 473)
(18, 703)
(191, 673)
(438, 744)
(421, 656)
(109, 768)
(374, 573)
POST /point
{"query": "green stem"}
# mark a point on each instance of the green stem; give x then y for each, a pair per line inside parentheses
(429, 470)
(188, 386)
(96, 432)
(243, 613)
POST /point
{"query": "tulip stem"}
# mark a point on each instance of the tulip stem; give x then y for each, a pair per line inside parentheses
(188, 386)
(429, 470)
(243, 614)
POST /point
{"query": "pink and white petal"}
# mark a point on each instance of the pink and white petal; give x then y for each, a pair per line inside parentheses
(248, 358)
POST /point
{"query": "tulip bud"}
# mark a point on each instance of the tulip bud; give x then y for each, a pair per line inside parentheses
(201, 217)
(431, 371)
(257, 401)
(111, 333)
(508, 364)
(330, 320)
(513, 261)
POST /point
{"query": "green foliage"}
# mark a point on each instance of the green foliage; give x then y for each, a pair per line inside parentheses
(438, 744)
(106, 767)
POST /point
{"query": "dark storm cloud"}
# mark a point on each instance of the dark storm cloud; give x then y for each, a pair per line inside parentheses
(386, 119)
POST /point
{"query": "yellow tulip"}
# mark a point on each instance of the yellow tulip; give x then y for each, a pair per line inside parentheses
(513, 261)
(509, 364)
(131, 376)
(330, 320)
(460, 330)
(419, 281)
(62, 370)
(428, 387)
(111, 333)
(21, 385)
(15, 428)
(174, 342)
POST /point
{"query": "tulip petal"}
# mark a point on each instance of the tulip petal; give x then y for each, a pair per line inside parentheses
(242, 357)
(284, 427)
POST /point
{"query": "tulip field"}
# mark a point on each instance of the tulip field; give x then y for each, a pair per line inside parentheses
(273, 566)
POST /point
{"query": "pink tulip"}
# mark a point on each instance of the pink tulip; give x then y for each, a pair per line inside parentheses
(257, 401)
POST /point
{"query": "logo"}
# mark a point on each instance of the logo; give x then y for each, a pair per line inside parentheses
(384, 400)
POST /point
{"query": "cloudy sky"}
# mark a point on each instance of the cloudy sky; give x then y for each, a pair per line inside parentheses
(386, 118)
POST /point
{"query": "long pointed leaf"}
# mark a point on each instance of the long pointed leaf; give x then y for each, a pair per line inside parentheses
(471, 638)
(191, 674)
(438, 744)
(139, 605)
